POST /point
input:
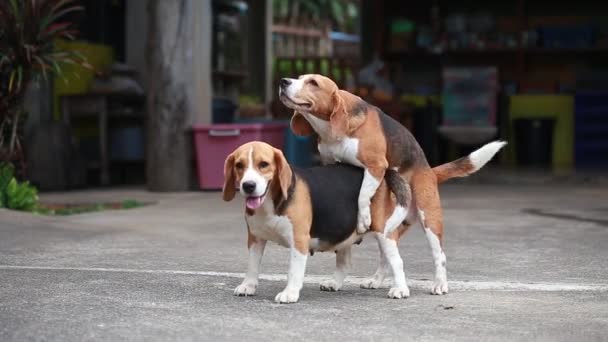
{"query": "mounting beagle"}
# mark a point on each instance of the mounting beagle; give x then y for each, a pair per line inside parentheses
(310, 210)
(352, 131)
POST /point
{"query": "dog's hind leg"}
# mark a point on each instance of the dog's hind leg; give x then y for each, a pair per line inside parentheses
(426, 196)
(393, 258)
(343, 257)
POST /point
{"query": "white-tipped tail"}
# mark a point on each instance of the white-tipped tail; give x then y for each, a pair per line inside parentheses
(480, 157)
(395, 220)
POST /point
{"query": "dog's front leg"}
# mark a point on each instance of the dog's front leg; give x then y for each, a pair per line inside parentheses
(250, 283)
(371, 181)
(295, 277)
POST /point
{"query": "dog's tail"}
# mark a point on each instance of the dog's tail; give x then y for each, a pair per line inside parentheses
(403, 196)
(467, 165)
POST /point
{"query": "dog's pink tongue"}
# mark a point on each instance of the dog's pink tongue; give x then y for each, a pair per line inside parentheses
(254, 202)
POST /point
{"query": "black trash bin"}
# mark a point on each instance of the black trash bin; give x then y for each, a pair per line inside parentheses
(534, 141)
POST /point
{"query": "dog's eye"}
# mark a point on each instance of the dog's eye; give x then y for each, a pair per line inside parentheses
(263, 165)
(313, 83)
(239, 166)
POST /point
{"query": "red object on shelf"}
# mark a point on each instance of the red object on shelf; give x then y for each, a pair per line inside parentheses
(214, 142)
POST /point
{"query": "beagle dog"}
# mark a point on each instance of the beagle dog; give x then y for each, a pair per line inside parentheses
(352, 131)
(309, 210)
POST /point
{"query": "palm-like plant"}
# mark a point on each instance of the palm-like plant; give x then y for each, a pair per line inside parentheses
(341, 14)
(28, 29)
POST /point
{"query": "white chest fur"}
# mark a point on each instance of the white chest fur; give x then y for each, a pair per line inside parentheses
(334, 150)
(343, 150)
(264, 224)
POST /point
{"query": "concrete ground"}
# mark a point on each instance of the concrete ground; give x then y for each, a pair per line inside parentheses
(524, 263)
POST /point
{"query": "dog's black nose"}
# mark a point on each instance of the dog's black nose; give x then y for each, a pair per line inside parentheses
(249, 187)
(285, 82)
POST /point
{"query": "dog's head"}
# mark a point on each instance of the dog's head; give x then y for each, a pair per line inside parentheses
(256, 169)
(316, 95)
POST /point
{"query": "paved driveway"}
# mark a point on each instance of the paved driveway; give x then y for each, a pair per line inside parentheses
(524, 262)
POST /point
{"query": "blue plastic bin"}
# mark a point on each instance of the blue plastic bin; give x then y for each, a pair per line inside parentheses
(298, 150)
(223, 111)
(568, 37)
(590, 127)
(127, 143)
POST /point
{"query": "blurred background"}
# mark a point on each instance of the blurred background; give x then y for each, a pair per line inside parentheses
(162, 91)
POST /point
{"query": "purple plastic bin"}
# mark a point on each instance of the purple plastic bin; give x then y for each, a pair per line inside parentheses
(214, 142)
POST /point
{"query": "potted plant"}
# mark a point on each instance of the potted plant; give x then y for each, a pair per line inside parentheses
(251, 107)
(27, 54)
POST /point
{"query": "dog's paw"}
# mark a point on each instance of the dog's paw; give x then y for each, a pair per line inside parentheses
(399, 292)
(440, 286)
(329, 285)
(372, 283)
(287, 296)
(245, 289)
(364, 220)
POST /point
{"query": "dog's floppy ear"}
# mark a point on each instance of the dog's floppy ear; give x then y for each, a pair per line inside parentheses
(283, 173)
(229, 189)
(300, 126)
(338, 120)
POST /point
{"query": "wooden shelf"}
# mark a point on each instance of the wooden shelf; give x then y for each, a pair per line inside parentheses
(298, 31)
(230, 74)
(457, 52)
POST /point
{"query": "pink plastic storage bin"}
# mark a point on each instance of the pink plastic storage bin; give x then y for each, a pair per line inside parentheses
(214, 142)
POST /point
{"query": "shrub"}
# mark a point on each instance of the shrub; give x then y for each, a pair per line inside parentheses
(16, 195)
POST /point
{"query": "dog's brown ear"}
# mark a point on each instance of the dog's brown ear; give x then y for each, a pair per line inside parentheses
(338, 120)
(229, 188)
(300, 126)
(283, 173)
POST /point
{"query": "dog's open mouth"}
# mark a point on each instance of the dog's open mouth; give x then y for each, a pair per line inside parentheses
(254, 202)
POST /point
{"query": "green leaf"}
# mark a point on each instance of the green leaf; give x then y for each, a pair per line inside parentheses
(337, 13)
(58, 28)
(7, 173)
(11, 80)
(43, 66)
(57, 68)
(11, 190)
(60, 4)
(64, 12)
(20, 76)
(21, 196)
(15, 8)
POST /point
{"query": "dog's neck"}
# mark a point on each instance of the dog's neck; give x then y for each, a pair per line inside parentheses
(355, 108)
(279, 202)
(320, 126)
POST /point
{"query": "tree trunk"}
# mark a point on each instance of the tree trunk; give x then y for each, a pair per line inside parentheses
(169, 64)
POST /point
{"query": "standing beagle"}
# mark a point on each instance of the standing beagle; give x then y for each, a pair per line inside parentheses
(309, 210)
(352, 131)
